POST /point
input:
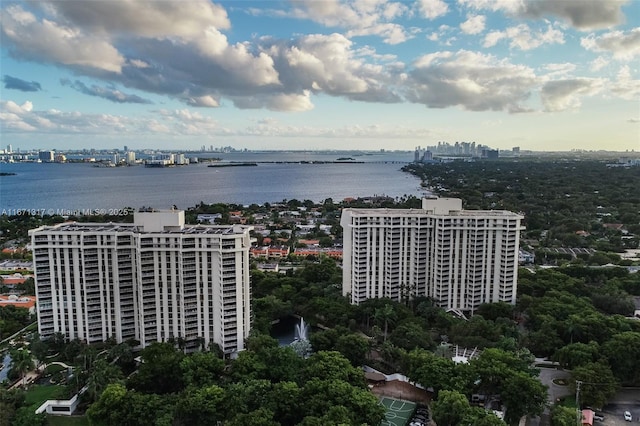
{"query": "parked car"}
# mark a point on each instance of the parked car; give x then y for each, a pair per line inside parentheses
(598, 417)
(627, 416)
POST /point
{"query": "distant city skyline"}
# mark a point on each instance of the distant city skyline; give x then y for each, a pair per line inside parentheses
(541, 75)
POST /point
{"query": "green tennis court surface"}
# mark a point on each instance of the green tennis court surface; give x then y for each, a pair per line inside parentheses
(398, 412)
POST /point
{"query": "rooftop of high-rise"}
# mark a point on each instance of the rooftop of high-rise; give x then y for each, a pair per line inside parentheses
(434, 207)
(148, 221)
(134, 228)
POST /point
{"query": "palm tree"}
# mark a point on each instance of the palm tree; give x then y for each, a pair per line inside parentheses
(102, 374)
(573, 327)
(88, 354)
(387, 315)
(21, 362)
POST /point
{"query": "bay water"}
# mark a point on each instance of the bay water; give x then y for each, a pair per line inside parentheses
(59, 188)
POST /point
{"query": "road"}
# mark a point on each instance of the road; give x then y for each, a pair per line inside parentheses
(554, 392)
(627, 399)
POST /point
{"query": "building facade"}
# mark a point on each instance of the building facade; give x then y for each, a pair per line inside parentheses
(460, 258)
(153, 280)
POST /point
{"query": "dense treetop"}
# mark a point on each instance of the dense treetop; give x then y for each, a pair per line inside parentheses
(559, 196)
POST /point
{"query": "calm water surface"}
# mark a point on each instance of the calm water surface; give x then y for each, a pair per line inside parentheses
(81, 186)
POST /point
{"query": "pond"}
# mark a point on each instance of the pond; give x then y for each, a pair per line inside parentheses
(285, 330)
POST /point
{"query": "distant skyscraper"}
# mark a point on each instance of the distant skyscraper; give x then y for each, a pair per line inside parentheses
(151, 280)
(46, 156)
(131, 157)
(491, 154)
(460, 258)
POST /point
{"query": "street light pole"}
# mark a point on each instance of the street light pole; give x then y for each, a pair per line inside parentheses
(578, 412)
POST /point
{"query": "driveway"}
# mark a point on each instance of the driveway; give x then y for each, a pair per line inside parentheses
(554, 392)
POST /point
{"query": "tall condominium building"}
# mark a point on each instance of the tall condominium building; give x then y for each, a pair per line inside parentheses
(152, 280)
(460, 258)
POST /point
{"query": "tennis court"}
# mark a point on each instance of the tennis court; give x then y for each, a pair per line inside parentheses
(398, 412)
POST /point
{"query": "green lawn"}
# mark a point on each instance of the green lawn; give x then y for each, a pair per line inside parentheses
(54, 368)
(38, 394)
(568, 401)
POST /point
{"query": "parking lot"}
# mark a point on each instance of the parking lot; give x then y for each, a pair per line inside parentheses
(626, 399)
(614, 414)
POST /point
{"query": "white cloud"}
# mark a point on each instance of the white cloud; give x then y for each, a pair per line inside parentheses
(11, 116)
(492, 38)
(391, 33)
(14, 108)
(196, 70)
(556, 70)
(24, 119)
(509, 6)
(109, 93)
(471, 80)
(46, 40)
(138, 63)
(583, 15)
(625, 86)
(358, 17)
(145, 18)
(371, 53)
(444, 35)
(202, 101)
(236, 60)
(560, 95)
(598, 63)
(155, 126)
(194, 62)
(327, 63)
(432, 9)
(623, 46)
(13, 122)
(523, 38)
(273, 128)
(473, 25)
(275, 74)
(291, 102)
(426, 60)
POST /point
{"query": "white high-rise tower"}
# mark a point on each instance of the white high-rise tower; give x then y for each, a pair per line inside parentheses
(152, 280)
(460, 258)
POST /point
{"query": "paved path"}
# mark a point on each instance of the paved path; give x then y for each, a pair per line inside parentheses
(28, 379)
(547, 375)
(554, 392)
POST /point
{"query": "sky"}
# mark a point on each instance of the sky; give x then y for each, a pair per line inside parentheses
(542, 75)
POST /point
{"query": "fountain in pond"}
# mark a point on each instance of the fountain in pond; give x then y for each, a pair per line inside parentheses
(301, 343)
(302, 330)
